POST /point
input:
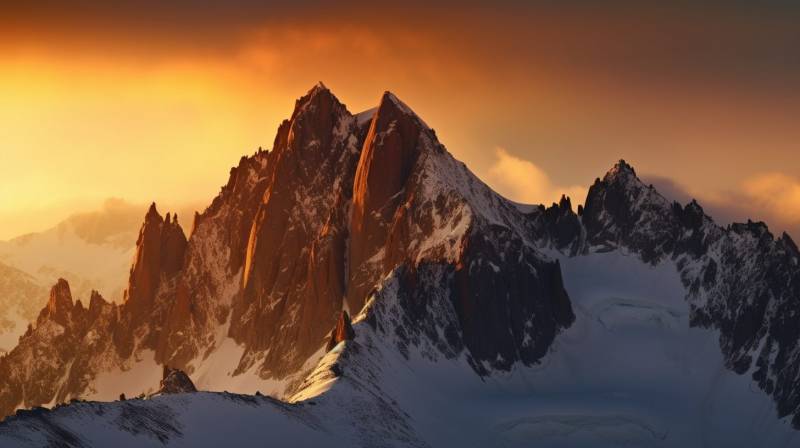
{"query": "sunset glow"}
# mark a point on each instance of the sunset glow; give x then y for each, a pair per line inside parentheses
(470, 223)
(103, 103)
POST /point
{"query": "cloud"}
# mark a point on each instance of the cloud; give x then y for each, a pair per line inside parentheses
(522, 181)
(770, 197)
(778, 193)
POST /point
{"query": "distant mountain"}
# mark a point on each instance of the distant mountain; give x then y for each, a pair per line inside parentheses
(633, 321)
(21, 298)
(92, 250)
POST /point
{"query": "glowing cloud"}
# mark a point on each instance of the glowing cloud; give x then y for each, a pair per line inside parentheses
(770, 197)
(522, 181)
(777, 192)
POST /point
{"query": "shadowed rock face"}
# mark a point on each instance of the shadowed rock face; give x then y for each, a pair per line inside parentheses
(508, 311)
(563, 225)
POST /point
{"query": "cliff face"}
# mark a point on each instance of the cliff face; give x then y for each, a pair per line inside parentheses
(197, 303)
(294, 275)
(160, 253)
(390, 153)
(160, 250)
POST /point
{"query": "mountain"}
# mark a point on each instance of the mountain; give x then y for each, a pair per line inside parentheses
(91, 250)
(476, 321)
(21, 297)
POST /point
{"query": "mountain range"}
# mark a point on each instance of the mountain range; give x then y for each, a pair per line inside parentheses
(358, 285)
(91, 250)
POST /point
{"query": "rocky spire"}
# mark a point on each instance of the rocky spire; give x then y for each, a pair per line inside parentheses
(152, 214)
(389, 154)
(621, 169)
(565, 204)
(160, 249)
(59, 306)
(96, 303)
(343, 331)
(296, 242)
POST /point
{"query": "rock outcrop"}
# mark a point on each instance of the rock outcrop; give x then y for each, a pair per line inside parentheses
(160, 250)
(60, 307)
(343, 331)
(54, 358)
(175, 381)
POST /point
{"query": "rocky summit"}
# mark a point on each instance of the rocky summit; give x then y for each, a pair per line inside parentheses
(383, 295)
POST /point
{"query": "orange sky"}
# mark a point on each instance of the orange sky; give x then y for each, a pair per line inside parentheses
(151, 102)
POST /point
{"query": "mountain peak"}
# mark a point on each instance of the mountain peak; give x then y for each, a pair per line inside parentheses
(60, 303)
(319, 94)
(621, 169)
(319, 86)
(390, 101)
(152, 214)
(96, 302)
(159, 250)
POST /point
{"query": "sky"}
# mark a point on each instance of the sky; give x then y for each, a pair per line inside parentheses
(155, 101)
